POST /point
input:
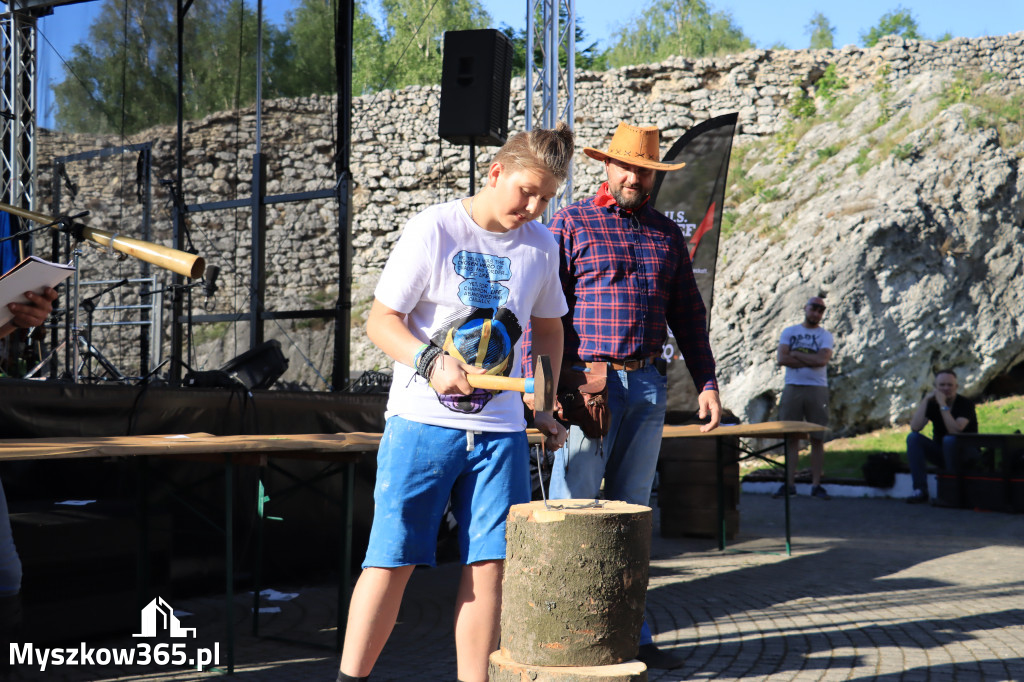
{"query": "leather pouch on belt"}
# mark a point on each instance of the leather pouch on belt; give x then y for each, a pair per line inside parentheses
(583, 399)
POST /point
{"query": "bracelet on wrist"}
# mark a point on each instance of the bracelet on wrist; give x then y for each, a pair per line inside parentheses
(425, 362)
(416, 355)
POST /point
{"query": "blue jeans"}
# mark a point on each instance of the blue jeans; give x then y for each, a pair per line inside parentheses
(921, 451)
(627, 457)
(10, 564)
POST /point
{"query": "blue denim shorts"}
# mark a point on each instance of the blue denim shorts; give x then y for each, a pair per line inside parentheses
(419, 467)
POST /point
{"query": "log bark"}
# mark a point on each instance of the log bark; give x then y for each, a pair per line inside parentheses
(575, 582)
(503, 669)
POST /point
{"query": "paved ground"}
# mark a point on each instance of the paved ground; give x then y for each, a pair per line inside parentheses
(874, 590)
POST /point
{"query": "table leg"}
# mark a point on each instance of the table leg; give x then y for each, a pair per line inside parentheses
(257, 571)
(720, 489)
(142, 589)
(229, 563)
(345, 584)
(785, 485)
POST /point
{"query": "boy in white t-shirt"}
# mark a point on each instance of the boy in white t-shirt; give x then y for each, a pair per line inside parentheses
(457, 291)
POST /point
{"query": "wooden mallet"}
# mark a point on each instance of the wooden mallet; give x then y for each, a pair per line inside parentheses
(542, 385)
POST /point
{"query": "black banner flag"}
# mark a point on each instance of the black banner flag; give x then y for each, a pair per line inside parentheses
(693, 198)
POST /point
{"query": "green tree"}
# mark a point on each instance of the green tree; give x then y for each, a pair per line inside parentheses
(220, 65)
(822, 33)
(899, 22)
(676, 27)
(414, 36)
(124, 79)
(305, 65)
(588, 55)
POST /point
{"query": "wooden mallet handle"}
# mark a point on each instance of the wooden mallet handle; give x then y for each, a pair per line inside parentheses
(542, 385)
(500, 383)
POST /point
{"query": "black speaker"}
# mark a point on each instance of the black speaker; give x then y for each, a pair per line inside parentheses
(257, 367)
(475, 75)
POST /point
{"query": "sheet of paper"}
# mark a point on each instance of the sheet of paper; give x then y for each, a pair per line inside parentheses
(274, 595)
(31, 274)
(270, 609)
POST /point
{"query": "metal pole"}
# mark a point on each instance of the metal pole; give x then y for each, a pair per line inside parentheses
(343, 306)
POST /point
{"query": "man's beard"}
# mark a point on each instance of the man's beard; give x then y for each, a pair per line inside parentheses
(628, 204)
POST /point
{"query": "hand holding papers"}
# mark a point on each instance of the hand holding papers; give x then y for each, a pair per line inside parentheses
(32, 274)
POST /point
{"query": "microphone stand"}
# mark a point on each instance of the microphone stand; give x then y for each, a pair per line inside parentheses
(66, 225)
(85, 340)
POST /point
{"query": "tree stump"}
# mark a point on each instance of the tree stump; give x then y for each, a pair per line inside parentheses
(502, 669)
(575, 582)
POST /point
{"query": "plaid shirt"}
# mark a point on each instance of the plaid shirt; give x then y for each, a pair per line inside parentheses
(627, 279)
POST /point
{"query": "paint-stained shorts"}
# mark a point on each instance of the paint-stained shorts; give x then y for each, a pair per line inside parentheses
(419, 466)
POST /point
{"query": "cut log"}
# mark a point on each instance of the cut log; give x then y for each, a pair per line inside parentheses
(503, 669)
(575, 582)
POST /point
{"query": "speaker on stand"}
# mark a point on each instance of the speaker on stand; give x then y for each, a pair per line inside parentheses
(476, 73)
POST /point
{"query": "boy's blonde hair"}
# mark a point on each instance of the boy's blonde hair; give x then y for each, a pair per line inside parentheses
(540, 149)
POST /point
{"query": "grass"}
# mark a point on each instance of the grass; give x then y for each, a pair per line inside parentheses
(844, 457)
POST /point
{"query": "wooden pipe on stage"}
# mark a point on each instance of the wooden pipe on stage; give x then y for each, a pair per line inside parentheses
(181, 262)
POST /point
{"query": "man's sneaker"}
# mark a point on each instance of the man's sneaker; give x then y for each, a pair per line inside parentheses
(782, 491)
(919, 497)
(820, 493)
(653, 657)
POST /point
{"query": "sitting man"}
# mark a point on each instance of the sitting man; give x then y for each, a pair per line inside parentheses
(949, 414)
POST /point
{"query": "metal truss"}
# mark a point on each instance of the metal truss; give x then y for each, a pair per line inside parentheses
(548, 44)
(18, 109)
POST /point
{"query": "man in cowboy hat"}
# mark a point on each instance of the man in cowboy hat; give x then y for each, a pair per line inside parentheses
(627, 278)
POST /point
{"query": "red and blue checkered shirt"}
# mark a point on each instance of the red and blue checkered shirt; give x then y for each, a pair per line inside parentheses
(627, 279)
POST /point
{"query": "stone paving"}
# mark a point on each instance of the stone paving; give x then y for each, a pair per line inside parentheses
(874, 590)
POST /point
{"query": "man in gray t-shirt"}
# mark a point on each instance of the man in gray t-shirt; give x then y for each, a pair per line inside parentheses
(804, 350)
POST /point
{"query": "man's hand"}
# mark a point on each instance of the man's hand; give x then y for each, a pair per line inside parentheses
(448, 376)
(530, 400)
(709, 405)
(547, 424)
(35, 312)
(940, 398)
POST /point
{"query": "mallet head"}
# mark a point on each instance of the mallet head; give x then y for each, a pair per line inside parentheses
(543, 385)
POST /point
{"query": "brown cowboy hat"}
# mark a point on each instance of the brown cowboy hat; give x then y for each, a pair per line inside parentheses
(635, 145)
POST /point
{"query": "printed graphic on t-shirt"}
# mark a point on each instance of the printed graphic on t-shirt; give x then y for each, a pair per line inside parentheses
(485, 334)
(804, 343)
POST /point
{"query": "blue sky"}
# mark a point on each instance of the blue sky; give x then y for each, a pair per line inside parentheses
(766, 23)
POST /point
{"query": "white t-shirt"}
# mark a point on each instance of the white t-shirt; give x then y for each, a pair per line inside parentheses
(458, 283)
(800, 339)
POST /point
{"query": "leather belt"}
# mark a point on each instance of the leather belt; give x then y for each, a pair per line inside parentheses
(628, 365)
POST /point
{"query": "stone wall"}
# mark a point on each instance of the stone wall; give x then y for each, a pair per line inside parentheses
(399, 167)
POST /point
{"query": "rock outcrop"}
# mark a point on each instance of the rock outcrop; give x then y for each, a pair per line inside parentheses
(912, 231)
